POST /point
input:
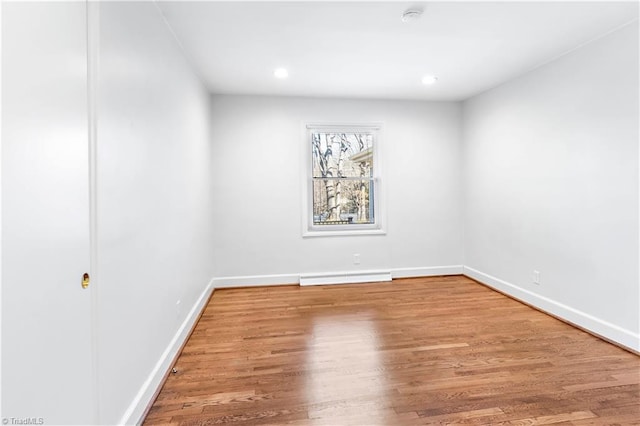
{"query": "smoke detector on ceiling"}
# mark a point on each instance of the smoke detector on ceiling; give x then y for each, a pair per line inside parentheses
(411, 15)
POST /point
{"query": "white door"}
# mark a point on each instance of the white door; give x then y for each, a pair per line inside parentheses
(46, 321)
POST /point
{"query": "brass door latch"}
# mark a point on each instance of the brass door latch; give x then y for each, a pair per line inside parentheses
(85, 280)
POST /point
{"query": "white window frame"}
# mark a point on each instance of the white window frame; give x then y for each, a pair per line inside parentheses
(311, 230)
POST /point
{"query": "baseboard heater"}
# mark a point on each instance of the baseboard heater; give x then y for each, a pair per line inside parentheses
(351, 277)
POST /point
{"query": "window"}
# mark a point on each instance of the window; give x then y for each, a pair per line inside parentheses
(343, 180)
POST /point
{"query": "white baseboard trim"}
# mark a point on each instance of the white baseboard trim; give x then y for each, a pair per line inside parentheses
(256, 281)
(600, 327)
(349, 277)
(138, 407)
(288, 279)
(429, 271)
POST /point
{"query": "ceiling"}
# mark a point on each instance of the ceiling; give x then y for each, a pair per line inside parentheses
(364, 50)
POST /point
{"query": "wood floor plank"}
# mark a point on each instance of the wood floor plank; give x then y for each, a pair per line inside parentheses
(439, 350)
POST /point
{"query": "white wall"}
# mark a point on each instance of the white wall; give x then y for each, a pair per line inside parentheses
(551, 180)
(154, 222)
(257, 145)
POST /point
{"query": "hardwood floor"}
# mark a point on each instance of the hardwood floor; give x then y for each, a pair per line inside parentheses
(441, 350)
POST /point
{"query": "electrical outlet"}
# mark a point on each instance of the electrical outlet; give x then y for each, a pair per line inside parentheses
(356, 259)
(536, 277)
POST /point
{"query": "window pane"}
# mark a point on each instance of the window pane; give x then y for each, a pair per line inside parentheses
(343, 201)
(342, 154)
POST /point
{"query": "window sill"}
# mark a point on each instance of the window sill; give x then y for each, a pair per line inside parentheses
(341, 233)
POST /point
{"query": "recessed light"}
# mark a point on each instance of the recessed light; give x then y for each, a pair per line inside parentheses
(411, 15)
(429, 79)
(281, 73)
